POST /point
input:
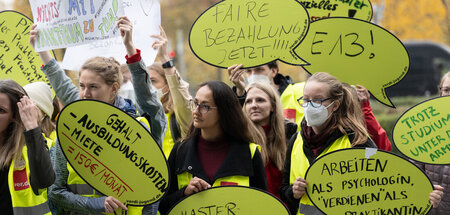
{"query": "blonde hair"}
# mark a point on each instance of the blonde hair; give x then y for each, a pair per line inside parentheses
(274, 147)
(447, 75)
(107, 68)
(13, 140)
(348, 115)
(166, 100)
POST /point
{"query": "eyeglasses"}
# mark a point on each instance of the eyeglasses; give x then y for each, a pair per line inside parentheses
(201, 107)
(314, 102)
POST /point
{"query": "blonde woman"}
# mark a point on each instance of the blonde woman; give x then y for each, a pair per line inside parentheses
(262, 105)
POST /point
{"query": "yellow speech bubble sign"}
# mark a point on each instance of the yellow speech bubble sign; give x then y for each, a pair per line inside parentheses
(113, 152)
(249, 32)
(422, 133)
(18, 61)
(359, 9)
(355, 52)
(365, 181)
(230, 200)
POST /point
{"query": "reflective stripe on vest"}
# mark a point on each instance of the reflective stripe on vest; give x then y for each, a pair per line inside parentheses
(24, 201)
(300, 163)
(168, 142)
(291, 109)
(184, 178)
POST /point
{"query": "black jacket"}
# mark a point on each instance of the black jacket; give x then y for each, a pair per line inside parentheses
(238, 162)
(286, 188)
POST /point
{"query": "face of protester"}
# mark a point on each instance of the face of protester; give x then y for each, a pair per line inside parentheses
(258, 106)
(262, 70)
(93, 86)
(205, 115)
(445, 90)
(5, 112)
(318, 90)
(158, 81)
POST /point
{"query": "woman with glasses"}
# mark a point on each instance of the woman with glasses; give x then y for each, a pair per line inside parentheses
(262, 105)
(218, 150)
(333, 120)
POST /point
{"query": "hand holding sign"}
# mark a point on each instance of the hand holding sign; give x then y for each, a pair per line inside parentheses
(423, 132)
(249, 32)
(355, 52)
(366, 181)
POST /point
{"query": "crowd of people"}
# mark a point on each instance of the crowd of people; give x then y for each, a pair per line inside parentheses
(264, 132)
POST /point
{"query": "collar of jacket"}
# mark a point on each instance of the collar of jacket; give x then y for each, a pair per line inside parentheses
(237, 162)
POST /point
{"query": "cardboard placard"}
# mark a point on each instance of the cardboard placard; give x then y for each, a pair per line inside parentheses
(355, 52)
(319, 9)
(230, 200)
(113, 152)
(422, 133)
(63, 24)
(366, 181)
(18, 61)
(249, 32)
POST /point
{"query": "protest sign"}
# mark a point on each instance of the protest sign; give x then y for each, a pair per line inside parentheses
(422, 133)
(249, 32)
(230, 200)
(319, 9)
(355, 52)
(113, 152)
(18, 61)
(366, 181)
(145, 16)
(63, 24)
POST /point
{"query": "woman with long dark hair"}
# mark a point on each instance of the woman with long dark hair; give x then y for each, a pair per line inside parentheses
(217, 151)
(25, 167)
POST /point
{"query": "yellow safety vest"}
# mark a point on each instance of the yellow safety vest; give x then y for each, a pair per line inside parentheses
(168, 142)
(78, 186)
(291, 109)
(50, 141)
(300, 163)
(184, 178)
(24, 201)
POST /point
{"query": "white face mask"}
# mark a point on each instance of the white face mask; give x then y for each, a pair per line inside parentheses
(316, 116)
(264, 79)
(159, 92)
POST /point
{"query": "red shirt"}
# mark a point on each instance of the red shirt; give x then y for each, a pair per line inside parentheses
(377, 133)
(211, 155)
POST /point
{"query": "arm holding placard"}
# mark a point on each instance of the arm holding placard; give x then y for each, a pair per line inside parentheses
(62, 85)
(146, 96)
(179, 89)
(235, 75)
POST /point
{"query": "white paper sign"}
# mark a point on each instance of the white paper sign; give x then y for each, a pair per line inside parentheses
(146, 17)
(65, 23)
